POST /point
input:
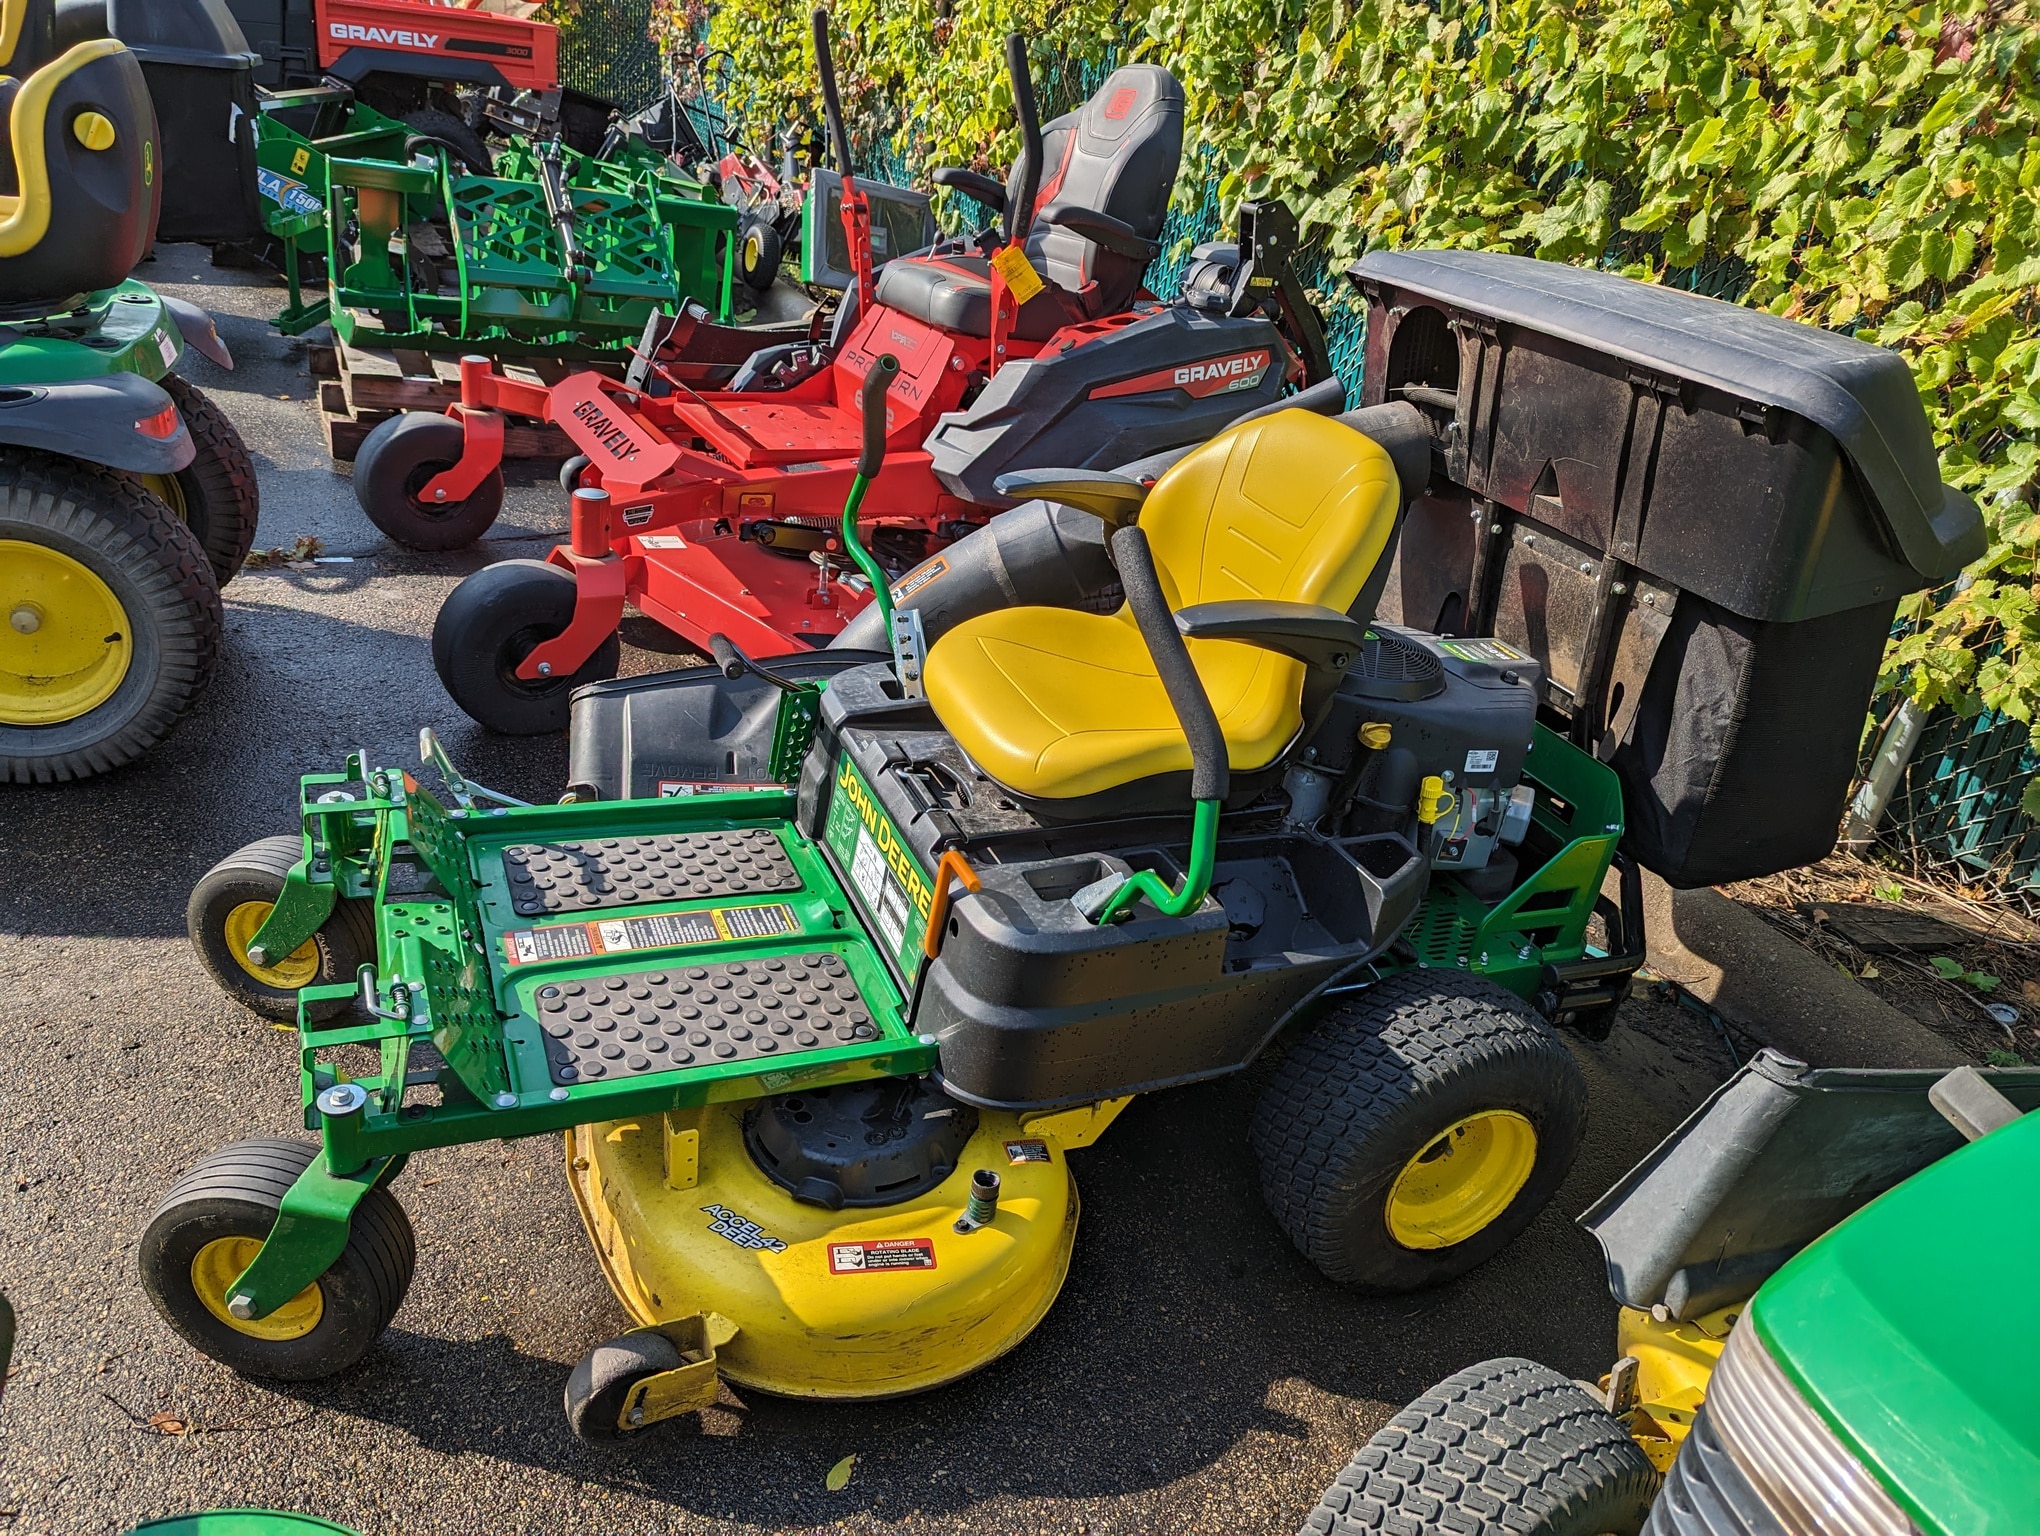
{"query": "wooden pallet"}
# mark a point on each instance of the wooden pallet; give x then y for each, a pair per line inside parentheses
(362, 387)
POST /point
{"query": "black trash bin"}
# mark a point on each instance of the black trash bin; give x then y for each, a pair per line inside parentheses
(201, 73)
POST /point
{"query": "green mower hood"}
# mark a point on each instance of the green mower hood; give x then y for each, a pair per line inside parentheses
(1911, 1330)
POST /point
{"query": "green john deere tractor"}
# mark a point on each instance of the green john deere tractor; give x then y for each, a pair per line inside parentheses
(126, 496)
(1344, 738)
(1811, 1339)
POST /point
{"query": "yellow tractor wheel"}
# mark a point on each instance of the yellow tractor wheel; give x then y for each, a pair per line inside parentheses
(1417, 1129)
(109, 619)
(227, 909)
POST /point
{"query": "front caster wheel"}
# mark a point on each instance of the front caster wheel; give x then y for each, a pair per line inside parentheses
(602, 1381)
(213, 1223)
(489, 624)
(395, 464)
(230, 904)
(1417, 1130)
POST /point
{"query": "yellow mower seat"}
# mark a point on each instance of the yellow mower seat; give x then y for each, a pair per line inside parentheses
(1059, 705)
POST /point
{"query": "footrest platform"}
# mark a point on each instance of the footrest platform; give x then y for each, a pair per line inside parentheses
(549, 878)
(608, 1027)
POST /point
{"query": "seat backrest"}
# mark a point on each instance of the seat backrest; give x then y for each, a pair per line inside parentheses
(1295, 507)
(83, 137)
(1117, 154)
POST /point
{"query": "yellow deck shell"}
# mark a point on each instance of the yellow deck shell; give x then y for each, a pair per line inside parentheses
(801, 1329)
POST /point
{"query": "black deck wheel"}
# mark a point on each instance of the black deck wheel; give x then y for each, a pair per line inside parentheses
(216, 494)
(759, 250)
(394, 465)
(1504, 1448)
(232, 901)
(600, 1384)
(1417, 1129)
(210, 1227)
(109, 619)
(489, 624)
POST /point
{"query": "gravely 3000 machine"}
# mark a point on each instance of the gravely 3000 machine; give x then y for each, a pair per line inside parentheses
(821, 1048)
(720, 513)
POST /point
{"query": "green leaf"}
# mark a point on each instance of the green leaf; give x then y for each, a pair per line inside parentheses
(839, 1475)
(1948, 970)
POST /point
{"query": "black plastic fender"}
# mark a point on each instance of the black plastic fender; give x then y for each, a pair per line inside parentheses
(94, 420)
(195, 329)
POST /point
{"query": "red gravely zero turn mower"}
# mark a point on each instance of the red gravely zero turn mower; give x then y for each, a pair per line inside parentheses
(720, 513)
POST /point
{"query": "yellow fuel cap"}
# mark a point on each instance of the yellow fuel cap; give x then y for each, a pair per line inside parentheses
(94, 130)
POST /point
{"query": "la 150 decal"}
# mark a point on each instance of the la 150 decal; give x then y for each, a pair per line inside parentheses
(1220, 375)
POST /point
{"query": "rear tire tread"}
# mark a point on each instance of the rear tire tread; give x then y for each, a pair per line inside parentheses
(1412, 1035)
(1504, 1448)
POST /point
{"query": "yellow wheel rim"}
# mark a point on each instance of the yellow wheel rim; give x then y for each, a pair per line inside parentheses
(1462, 1180)
(293, 971)
(169, 490)
(216, 1266)
(64, 641)
(754, 249)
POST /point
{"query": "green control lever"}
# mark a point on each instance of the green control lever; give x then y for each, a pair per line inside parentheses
(1210, 766)
(871, 400)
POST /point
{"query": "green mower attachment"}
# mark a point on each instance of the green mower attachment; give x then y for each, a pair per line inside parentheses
(554, 251)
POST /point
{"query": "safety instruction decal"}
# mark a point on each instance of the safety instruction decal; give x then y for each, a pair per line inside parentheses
(674, 789)
(891, 1253)
(920, 577)
(1027, 1152)
(623, 935)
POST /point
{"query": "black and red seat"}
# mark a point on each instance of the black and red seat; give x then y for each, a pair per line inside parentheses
(1107, 171)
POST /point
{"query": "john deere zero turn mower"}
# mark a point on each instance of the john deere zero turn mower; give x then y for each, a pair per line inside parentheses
(126, 497)
(883, 937)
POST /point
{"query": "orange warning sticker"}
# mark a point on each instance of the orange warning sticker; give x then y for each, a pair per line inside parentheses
(1022, 281)
(873, 1258)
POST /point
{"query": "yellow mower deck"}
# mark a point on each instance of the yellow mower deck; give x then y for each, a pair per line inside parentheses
(854, 1304)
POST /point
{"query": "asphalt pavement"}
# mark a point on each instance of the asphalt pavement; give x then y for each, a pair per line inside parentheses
(1197, 1377)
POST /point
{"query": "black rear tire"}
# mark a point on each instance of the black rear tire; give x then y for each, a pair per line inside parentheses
(600, 1384)
(454, 132)
(239, 889)
(216, 493)
(149, 575)
(394, 465)
(231, 1199)
(1504, 1448)
(489, 624)
(1391, 1081)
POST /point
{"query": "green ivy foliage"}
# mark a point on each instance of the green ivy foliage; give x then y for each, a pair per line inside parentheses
(1856, 164)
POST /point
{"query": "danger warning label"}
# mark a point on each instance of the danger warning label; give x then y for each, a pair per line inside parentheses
(887, 1253)
(623, 935)
(1026, 1151)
